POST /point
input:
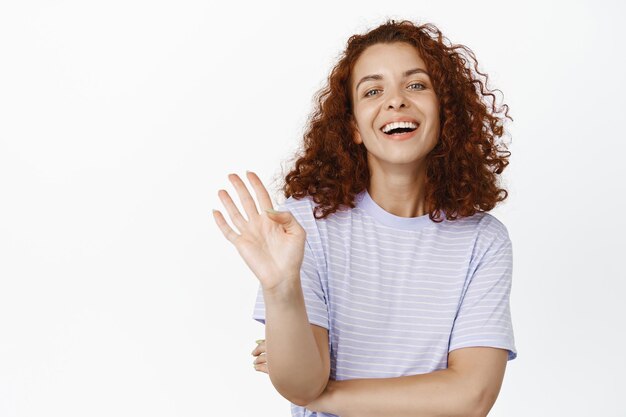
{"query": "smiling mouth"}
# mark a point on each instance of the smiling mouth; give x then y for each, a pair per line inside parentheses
(400, 133)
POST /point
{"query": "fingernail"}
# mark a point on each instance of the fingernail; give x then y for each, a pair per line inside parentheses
(272, 211)
(259, 341)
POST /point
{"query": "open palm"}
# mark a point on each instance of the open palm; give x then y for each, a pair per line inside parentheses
(273, 245)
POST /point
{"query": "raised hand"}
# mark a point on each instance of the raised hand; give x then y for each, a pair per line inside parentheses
(272, 245)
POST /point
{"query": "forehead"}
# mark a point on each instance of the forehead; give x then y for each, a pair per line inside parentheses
(387, 58)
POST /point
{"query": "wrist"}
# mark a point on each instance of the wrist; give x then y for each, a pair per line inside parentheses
(284, 290)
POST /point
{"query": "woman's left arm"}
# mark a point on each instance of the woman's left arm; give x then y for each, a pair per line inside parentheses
(467, 388)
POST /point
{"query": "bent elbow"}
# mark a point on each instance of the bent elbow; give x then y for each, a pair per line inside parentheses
(483, 404)
(301, 399)
(313, 396)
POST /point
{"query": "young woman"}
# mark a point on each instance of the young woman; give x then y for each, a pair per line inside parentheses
(384, 283)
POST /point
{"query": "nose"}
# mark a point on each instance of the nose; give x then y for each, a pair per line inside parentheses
(396, 100)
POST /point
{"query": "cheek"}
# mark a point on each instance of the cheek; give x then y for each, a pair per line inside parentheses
(433, 115)
(364, 116)
(435, 107)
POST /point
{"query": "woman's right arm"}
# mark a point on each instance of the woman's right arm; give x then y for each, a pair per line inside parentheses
(272, 245)
(297, 368)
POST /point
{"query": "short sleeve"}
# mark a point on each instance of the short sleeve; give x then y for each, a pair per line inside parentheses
(484, 316)
(315, 299)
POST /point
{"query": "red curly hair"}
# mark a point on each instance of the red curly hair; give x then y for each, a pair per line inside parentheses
(462, 168)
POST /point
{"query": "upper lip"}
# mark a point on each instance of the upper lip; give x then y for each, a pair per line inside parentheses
(399, 119)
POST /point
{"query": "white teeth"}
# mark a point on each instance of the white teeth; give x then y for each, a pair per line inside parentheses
(396, 125)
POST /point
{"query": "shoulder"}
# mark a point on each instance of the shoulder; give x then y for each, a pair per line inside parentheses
(490, 224)
(492, 237)
(489, 233)
(482, 224)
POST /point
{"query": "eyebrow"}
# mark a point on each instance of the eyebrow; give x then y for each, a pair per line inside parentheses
(380, 77)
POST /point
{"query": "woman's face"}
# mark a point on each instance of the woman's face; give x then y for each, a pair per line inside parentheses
(390, 84)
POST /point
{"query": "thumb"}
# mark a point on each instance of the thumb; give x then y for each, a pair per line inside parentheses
(283, 217)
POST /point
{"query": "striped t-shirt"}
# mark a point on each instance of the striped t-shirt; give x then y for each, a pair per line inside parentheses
(397, 294)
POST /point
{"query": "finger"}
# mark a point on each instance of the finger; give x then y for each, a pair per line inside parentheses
(227, 231)
(232, 210)
(262, 195)
(262, 358)
(259, 348)
(262, 368)
(244, 195)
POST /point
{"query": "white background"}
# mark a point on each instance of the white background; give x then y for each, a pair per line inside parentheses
(120, 121)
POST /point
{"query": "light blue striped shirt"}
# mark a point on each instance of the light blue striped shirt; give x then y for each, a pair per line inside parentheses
(397, 294)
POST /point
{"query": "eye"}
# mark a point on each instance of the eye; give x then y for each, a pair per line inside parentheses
(423, 86)
(367, 94)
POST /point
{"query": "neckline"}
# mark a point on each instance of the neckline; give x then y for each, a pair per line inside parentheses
(367, 204)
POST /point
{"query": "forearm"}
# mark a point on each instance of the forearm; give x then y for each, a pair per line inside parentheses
(294, 362)
(442, 393)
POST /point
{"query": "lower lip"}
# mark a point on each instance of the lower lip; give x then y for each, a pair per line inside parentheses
(403, 136)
